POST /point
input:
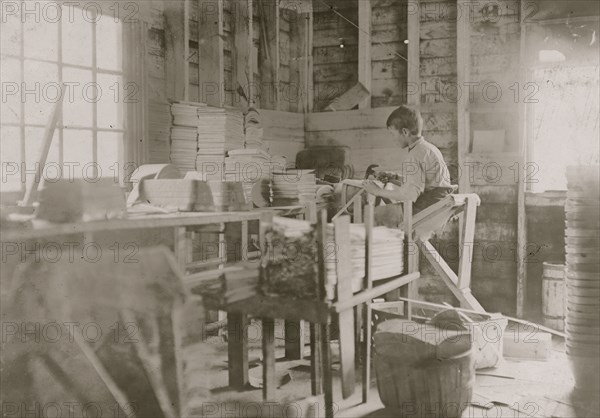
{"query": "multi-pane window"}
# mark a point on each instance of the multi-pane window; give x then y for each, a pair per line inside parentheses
(45, 45)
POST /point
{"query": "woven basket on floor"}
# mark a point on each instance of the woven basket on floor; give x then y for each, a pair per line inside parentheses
(442, 387)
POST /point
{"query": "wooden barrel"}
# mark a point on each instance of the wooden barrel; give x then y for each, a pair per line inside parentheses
(441, 386)
(553, 295)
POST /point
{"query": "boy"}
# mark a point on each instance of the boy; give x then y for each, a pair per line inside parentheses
(426, 179)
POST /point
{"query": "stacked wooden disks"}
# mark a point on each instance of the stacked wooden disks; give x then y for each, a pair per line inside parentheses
(293, 187)
(582, 242)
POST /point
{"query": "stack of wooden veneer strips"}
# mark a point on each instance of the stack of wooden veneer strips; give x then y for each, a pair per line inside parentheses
(186, 113)
(387, 251)
(219, 131)
(184, 147)
(293, 187)
(229, 285)
(582, 240)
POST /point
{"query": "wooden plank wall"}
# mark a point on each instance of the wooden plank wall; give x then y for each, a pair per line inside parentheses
(155, 53)
(283, 133)
(335, 69)
(388, 33)
(365, 132)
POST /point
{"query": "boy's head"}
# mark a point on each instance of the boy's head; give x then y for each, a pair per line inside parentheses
(405, 123)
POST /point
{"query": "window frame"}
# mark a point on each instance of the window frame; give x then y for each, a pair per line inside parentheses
(95, 129)
(530, 188)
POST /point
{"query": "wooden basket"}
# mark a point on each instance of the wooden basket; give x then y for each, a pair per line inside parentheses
(440, 388)
(488, 331)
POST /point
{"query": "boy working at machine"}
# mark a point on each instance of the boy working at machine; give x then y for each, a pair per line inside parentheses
(425, 175)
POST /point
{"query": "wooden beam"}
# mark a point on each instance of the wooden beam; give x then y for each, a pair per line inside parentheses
(376, 291)
(268, 351)
(341, 230)
(468, 238)
(237, 349)
(310, 94)
(210, 50)
(269, 53)
(364, 50)
(298, 62)
(463, 74)
(521, 212)
(366, 320)
(450, 278)
(414, 54)
(31, 191)
(347, 100)
(176, 64)
(186, 49)
(243, 41)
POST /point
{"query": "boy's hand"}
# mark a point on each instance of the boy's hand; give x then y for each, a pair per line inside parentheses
(371, 187)
(386, 177)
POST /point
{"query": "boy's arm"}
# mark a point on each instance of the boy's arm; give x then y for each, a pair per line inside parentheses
(411, 190)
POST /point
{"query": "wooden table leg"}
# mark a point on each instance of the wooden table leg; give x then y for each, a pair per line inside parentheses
(326, 365)
(358, 317)
(366, 352)
(237, 349)
(294, 340)
(316, 385)
(268, 347)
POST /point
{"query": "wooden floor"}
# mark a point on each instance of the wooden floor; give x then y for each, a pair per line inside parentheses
(514, 389)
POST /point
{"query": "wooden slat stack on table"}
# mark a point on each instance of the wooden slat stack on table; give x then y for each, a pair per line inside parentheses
(230, 284)
(292, 187)
(184, 147)
(387, 256)
(219, 130)
(184, 135)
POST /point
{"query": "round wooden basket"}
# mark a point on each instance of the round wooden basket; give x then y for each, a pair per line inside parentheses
(442, 385)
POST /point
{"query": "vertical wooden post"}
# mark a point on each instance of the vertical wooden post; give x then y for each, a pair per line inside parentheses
(414, 55)
(269, 53)
(309, 90)
(357, 211)
(176, 65)
(466, 247)
(243, 40)
(366, 322)
(463, 75)
(210, 49)
(237, 349)
(311, 215)
(410, 290)
(521, 209)
(186, 49)
(268, 351)
(364, 50)
(343, 269)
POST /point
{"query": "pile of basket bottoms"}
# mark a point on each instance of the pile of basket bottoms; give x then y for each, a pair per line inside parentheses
(582, 242)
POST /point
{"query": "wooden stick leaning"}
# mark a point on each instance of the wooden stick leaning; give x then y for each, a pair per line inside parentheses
(31, 191)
